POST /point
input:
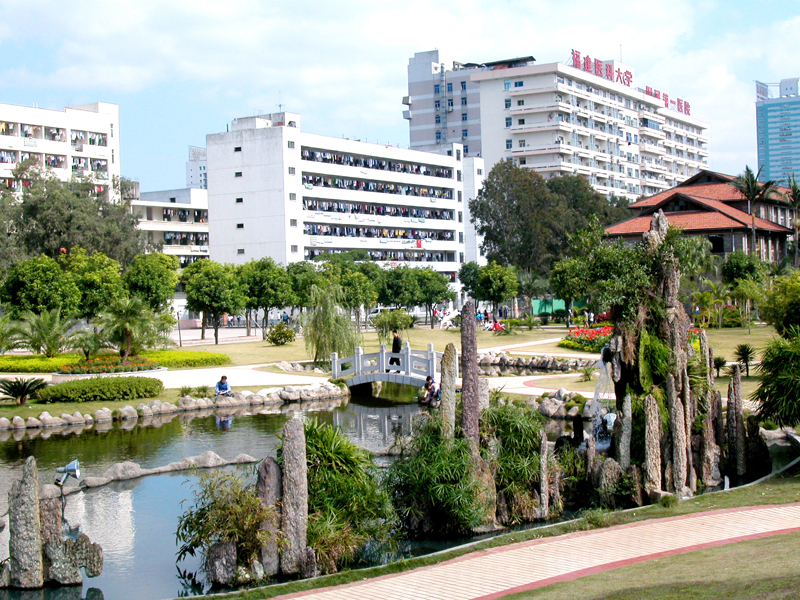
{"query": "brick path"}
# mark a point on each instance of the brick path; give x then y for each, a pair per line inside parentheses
(497, 572)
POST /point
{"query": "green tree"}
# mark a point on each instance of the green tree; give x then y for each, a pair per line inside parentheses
(327, 326)
(48, 332)
(358, 291)
(267, 285)
(694, 254)
(782, 306)
(11, 252)
(400, 288)
(304, 276)
(779, 391)
(756, 193)
(97, 277)
(739, 265)
(153, 278)
(9, 334)
(132, 326)
(497, 284)
(748, 295)
(434, 288)
(215, 290)
(39, 284)
(584, 202)
(468, 276)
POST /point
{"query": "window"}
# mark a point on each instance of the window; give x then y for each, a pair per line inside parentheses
(523, 160)
(521, 143)
(240, 226)
(520, 102)
(290, 143)
(458, 175)
(458, 154)
(240, 251)
(463, 116)
(460, 237)
(449, 87)
(294, 249)
(438, 136)
(112, 156)
(292, 222)
(518, 83)
(438, 119)
(463, 85)
(464, 101)
(173, 200)
(239, 200)
(508, 121)
(509, 144)
(466, 149)
(480, 171)
(507, 84)
(508, 102)
(460, 217)
(520, 121)
(459, 196)
(437, 105)
(449, 103)
(112, 129)
(461, 257)
(292, 196)
(291, 170)
(437, 89)
(237, 148)
(237, 174)
(464, 133)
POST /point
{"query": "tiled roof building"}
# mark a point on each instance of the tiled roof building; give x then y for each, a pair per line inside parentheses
(708, 205)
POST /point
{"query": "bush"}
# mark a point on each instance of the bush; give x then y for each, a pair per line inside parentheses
(102, 389)
(187, 359)
(560, 315)
(280, 334)
(109, 364)
(544, 317)
(20, 389)
(588, 339)
(388, 321)
(36, 363)
(731, 317)
(668, 501)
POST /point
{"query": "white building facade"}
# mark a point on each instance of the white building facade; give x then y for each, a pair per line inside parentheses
(76, 141)
(197, 168)
(275, 190)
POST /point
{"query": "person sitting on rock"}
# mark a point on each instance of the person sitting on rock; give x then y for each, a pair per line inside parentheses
(223, 388)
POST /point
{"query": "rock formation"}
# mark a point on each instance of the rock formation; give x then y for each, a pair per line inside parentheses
(294, 509)
(652, 444)
(469, 374)
(544, 478)
(448, 383)
(25, 540)
(735, 425)
(268, 489)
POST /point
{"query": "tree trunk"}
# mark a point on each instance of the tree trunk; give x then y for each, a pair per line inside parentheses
(203, 325)
(217, 319)
(264, 324)
(247, 314)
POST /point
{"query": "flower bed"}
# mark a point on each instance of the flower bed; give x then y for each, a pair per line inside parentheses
(109, 364)
(588, 339)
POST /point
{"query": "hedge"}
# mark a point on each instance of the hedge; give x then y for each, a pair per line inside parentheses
(102, 389)
(36, 363)
(186, 359)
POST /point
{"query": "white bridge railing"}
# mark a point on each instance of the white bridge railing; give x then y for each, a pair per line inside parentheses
(411, 365)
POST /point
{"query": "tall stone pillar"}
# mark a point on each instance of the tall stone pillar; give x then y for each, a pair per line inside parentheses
(448, 406)
(294, 510)
(24, 525)
(624, 439)
(469, 374)
(678, 429)
(652, 444)
(544, 478)
(735, 423)
(268, 488)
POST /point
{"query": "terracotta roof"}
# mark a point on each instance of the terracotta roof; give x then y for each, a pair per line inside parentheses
(689, 221)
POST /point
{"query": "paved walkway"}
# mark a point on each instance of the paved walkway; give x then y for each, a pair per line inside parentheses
(498, 572)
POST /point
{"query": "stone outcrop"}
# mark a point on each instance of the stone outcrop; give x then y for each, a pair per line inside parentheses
(610, 474)
(470, 402)
(268, 488)
(759, 461)
(652, 444)
(448, 387)
(483, 394)
(25, 540)
(220, 563)
(294, 508)
(735, 429)
(308, 563)
(679, 442)
(624, 439)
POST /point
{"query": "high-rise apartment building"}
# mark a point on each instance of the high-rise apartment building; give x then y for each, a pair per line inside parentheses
(76, 141)
(586, 118)
(197, 169)
(778, 131)
(275, 190)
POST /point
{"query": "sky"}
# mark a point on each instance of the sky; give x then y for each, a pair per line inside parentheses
(181, 69)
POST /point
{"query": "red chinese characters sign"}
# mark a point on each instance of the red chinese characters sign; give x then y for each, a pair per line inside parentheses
(681, 106)
(601, 69)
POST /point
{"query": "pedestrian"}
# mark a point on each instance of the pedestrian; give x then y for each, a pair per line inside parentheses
(396, 349)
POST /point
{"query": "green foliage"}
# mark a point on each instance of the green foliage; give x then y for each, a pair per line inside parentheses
(745, 354)
(348, 509)
(185, 390)
(102, 389)
(512, 431)
(434, 288)
(400, 287)
(740, 265)
(280, 334)
(37, 363)
(587, 373)
(327, 327)
(266, 285)
(213, 289)
(131, 326)
(655, 361)
(9, 334)
(433, 484)
(597, 518)
(90, 341)
(304, 276)
(203, 391)
(779, 391)
(719, 363)
(47, 333)
(20, 389)
(359, 290)
(39, 284)
(97, 277)
(697, 371)
(109, 364)
(224, 508)
(468, 276)
(391, 320)
(496, 284)
(782, 306)
(153, 277)
(668, 501)
(187, 359)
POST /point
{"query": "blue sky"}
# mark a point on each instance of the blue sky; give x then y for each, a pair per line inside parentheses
(180, 69)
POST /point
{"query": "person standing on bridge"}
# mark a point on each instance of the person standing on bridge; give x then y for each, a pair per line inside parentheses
(396, 349)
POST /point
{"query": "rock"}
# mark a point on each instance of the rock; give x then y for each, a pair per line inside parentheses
(88, 418)
(289, 394)
(187, 403)
(124, 471)
(126, 413)
(18, 422)
(255, 399)
(294, 507)
(470, 388)
(33, 423)
(241, 397)
(93, 482)
(483, 394)
(652, 444)
(103, 415)
(549, 407)
(285, 366)
(242, 459)
(144, 410)
(5, 575)
(208, 460)
(308, 563)
(588, 409)
(487, 489)
(448, 390)
(624, 439)
(25, 541)
(573, 412)
(544, 478)
(220, 563)
(737, 439)
(759, 461)
(679, 441)
(268, 489)
(5, 423)
(610, 474)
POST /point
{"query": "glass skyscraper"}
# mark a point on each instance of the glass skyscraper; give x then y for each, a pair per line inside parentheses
(778, 131)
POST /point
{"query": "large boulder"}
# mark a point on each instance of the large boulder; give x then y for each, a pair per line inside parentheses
(610, 474)
(5, 423)
(25, 540)
(124, 471)
(220, 564)
(294, 507)
(550, 407)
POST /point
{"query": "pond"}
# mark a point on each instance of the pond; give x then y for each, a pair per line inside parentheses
(135, 521)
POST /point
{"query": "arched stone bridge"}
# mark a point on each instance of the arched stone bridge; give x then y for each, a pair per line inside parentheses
(411, 366)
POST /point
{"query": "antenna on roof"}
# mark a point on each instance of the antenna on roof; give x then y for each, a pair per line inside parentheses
(280, 101)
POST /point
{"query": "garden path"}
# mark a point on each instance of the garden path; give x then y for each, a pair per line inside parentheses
(497, 572)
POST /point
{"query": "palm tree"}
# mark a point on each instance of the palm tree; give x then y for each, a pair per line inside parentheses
(9, 334)
(131, 325)
(48, 333)
(793, 198)
(747, 183)
(745, 354)
(720, 293)
(20, 389)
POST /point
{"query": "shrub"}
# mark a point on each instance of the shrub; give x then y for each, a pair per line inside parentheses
(780, 382)
(36, 363)
(589, 339)
(531, 322)
(187, 359)
(560, 315)
(224, 508)
(388, 321)
(19, 389)
(102, 389)
(719, 362)
(109, 364)
(184, 390)
(587, 373)
(596, 518)
(668, 501)
(280, 334)
(731, 317)
(203, 391)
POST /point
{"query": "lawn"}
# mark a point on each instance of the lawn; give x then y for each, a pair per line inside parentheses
(763, 568)
(781, 489)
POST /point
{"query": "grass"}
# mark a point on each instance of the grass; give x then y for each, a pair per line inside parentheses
(759, 568)
(749, 384)
(781, 489)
